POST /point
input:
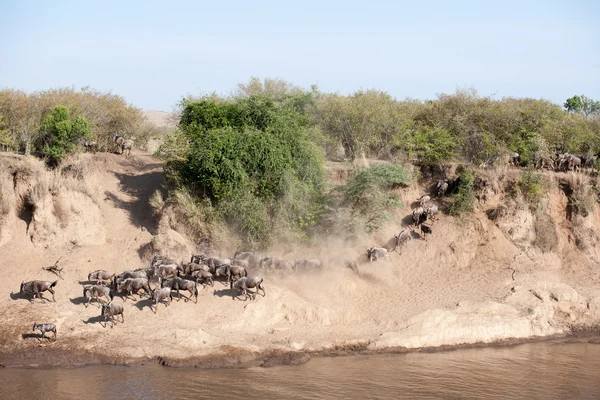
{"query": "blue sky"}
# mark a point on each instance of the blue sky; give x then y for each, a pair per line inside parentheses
(153, 53)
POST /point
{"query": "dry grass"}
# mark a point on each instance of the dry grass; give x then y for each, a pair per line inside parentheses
(197, 220)
(157, 202)
(7, 196)
(546, 238)
(584, 196)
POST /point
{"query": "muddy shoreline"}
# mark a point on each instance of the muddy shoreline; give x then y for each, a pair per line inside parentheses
(49, 357)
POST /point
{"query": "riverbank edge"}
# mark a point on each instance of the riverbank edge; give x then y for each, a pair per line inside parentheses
(228, 356)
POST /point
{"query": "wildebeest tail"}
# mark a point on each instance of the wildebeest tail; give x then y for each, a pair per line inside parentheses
(53, 284)
(245, 272)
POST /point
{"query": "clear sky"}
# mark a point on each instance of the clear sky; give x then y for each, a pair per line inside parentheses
(153, 53)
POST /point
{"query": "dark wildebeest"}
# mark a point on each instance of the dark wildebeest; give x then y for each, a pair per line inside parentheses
(36, 288)
(95, 292)
(159, 296)
(377, 253)
(178, 283)
(101, 276)
(190, 268)
(308, 265)
(425, 230)
(245, 283)
(230, 271)
(123, 144)
(133, 285)
(202, 277)
(43, 328)
(111, 310)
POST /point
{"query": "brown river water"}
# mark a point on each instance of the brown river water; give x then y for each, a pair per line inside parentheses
(547, 370)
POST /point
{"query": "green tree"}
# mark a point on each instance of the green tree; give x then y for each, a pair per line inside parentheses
(60, 136)
(582, 105)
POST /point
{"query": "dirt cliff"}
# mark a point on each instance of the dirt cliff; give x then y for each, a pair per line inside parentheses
(487, 277)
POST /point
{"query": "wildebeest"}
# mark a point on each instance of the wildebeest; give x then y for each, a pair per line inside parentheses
(402, 238)
(202, 277)
(425, 230)
(253, 259)
(442, 187)
(43, 328)
(245, 283)
(132, 274)
(514, 160)
(178, 283)
(197, 258)
(419, 215)
(159, 296)
(123, 144)
(160, 259)
(111, 310)
(230, 271)
(377, 253)
(308, 265)
(95, 292)
(36, 288)
(272, 263)
(432, 212)
(574, 164)
(212, 262)
(424, 200)
(590, 161)
(101, 276)
(165, 271)
(190, 268)
(133, 285)
(89, 145)
(353, 265)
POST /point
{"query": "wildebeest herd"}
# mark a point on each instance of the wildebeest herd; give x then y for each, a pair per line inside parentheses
(165, 277)
(562, 162)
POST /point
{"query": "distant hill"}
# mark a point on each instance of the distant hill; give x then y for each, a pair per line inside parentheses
(158, 118)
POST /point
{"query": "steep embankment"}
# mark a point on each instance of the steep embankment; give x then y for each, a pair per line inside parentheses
(456, 288)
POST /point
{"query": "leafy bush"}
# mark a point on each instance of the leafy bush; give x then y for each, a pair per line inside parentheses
(60, 136)
(432, 145)
(464, 199)
(247, 155)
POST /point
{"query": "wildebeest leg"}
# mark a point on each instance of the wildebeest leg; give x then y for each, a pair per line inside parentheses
(261, 288)
(52, 291)
(123, 318)
(54, 330)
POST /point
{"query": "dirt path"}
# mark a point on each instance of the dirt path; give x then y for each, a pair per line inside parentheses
(453, 289)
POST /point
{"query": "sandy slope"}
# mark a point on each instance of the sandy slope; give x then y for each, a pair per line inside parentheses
(453, 289)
